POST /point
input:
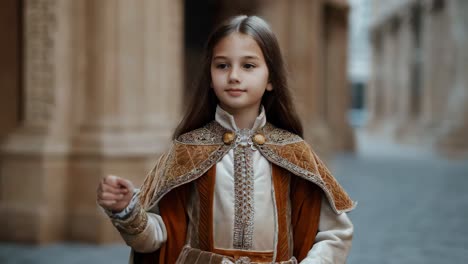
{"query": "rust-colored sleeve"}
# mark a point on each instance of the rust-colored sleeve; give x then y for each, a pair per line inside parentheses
(306, 200)
(172, 208)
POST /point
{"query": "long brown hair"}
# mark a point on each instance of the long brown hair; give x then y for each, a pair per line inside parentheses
(278, 103)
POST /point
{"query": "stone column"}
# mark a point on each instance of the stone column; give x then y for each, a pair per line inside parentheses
(374, 91)
(415, 82)
(427, 62)
(306, 65)
(405, 53)
(392, 82)
(443, 61)
(338, 97)
(130, 99)
(419, 95)
(437, 65)
(33, 169)
(385, 95)
(299, 25)
(452, 138)
(10, 64)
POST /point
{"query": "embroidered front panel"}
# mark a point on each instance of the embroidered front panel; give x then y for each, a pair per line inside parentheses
(244, 192)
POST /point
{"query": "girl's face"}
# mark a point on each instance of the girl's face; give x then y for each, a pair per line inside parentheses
(239, 73)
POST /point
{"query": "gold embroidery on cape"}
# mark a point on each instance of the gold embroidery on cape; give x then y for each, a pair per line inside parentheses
(193, 153)
(185, 158)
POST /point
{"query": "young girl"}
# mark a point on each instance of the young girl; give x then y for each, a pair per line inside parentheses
(238, 185)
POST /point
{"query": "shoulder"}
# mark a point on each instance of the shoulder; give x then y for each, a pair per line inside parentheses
(291, 152)
(278, 136)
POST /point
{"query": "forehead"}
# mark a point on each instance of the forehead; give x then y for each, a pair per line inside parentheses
(237, 45)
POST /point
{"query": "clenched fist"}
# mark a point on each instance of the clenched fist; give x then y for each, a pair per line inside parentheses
(114, 193)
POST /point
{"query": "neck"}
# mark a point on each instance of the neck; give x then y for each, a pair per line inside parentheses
(245, 117)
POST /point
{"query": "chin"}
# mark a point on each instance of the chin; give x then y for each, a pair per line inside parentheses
(236, 105)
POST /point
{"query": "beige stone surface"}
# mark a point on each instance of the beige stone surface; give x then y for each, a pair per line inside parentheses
(97, 101)
(33, 198)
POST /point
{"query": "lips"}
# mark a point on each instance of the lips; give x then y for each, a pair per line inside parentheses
(235, 92)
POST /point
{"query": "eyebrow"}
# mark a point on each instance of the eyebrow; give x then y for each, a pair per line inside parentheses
(255, 57)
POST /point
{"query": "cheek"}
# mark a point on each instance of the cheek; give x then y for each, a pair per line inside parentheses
(216, 83)
(214, 80)
(261, 80)
(216, 77)
(263, 75)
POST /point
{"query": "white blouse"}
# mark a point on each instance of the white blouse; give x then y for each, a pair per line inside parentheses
(225, 195)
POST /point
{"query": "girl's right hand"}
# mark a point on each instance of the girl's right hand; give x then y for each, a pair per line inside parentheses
(114, 193)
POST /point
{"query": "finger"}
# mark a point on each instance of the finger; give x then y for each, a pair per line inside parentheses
(111, 189)
(125, 183)
(105, 203)
(110, 196)
(111, 180)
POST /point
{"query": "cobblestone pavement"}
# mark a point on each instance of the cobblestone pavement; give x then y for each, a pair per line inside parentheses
(412, 208)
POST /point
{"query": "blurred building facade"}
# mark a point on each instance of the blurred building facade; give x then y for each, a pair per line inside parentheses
(419, 85)
(96, 87)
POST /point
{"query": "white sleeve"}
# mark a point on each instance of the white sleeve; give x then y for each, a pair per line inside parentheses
(143, 231)
(127, 210)
(333, 240)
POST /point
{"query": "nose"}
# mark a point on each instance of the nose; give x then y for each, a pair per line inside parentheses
(234, 75)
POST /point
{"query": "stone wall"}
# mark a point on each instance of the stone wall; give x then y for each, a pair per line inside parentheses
(102, 83)
(418, 91)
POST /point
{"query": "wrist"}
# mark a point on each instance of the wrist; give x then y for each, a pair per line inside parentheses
(134, 223)
(126, 211)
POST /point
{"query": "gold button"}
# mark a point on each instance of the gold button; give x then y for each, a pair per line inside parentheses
(259, 139)
(228, 137)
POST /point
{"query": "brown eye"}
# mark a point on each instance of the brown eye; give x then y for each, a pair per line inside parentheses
(249, 66)
(221, 66)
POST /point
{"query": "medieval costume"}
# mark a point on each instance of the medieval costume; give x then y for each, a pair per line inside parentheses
(228, 195)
